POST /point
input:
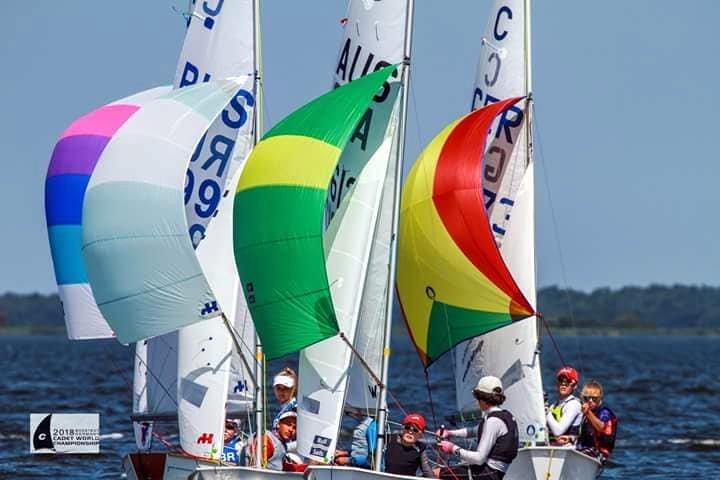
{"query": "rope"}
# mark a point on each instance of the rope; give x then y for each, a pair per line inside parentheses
(432, 405)
(552, 337)
(371, 373)
(556, 233)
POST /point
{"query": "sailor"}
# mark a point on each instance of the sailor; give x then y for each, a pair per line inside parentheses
(497, 435)
(363, 443)
(233, 444)
(405, 454)
(285, 388)
(599, 425)
(564, 417)
(278, 442)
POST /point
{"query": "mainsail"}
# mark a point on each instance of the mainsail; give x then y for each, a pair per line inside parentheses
(510, 353)
(73, 161)
(452, 282)
(373, 36)
(219, 44)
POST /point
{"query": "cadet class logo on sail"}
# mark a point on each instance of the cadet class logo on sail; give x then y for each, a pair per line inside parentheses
(209, 165)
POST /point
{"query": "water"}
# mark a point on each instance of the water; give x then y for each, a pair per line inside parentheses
(664, 389)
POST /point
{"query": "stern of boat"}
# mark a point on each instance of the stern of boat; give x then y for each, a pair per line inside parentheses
(553, 463)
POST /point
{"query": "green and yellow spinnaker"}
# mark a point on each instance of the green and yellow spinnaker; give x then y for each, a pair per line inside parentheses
(278, 217)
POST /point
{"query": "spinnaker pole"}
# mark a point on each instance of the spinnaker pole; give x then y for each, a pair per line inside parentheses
(404, 89)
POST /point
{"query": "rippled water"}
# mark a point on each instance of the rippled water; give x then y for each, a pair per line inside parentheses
(664, 389)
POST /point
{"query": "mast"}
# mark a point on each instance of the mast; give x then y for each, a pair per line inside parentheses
(404, 79)
(258, 126)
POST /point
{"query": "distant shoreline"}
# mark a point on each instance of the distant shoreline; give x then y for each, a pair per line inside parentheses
(53, 330)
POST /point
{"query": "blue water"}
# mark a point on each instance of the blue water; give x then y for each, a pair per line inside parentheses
(666, 391)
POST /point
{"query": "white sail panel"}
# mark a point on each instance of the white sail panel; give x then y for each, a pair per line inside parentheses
(324, 367)
(511, 352)
(162, 370)
(218, 44)
(206, 349)
(145, 275)
(373, 38)
(362, 388)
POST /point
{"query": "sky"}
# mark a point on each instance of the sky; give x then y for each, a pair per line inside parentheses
(626, 100)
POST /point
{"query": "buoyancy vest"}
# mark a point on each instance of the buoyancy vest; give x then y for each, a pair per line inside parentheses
(506, 446)
(403, 459)
(275, 451)
(557, 413)
(604, 441)
(233, 452)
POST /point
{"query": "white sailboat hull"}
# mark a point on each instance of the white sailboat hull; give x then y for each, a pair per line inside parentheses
(552, 463)
(165, 466)
(346, 473)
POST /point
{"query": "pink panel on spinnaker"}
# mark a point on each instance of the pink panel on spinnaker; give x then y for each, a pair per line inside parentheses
(104, 121)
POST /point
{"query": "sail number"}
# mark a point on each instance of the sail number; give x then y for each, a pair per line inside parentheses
(205, 178)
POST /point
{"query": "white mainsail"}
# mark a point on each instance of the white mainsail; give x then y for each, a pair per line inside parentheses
(373, 38)
(219, 44)
(510, 353)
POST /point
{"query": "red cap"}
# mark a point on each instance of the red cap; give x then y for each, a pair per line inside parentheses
(568, 372)
(415, 419)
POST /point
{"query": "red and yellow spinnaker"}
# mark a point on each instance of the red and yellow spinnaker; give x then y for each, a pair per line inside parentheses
(452, 282)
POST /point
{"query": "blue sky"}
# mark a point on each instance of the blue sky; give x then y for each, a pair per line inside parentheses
(626, 97)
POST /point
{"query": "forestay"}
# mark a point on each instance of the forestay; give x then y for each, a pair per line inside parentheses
(73, 161)
(145, 275)
(509, 353)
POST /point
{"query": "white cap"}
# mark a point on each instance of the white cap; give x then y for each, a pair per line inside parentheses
(284, 380)
(288, 414)
(489, 384)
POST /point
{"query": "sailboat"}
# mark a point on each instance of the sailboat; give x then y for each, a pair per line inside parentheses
(477, 295)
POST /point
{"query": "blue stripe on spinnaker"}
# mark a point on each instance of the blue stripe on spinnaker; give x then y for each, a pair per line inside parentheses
(64, 199)
(65, 247)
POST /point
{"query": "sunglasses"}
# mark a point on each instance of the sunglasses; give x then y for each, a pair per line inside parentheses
(411, 428)
(590, 398)
(564, 382)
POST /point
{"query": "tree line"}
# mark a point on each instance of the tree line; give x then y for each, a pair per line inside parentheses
(652, 307)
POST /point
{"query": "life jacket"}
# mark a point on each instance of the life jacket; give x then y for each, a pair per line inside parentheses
(403, 459)
(602, 441)
(557, 413)
(506, 446)
(233, 452)
(275, 450)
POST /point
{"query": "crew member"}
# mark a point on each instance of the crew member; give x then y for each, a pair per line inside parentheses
(564, 417)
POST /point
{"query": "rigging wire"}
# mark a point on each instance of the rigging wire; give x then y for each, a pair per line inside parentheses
(563, 270)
